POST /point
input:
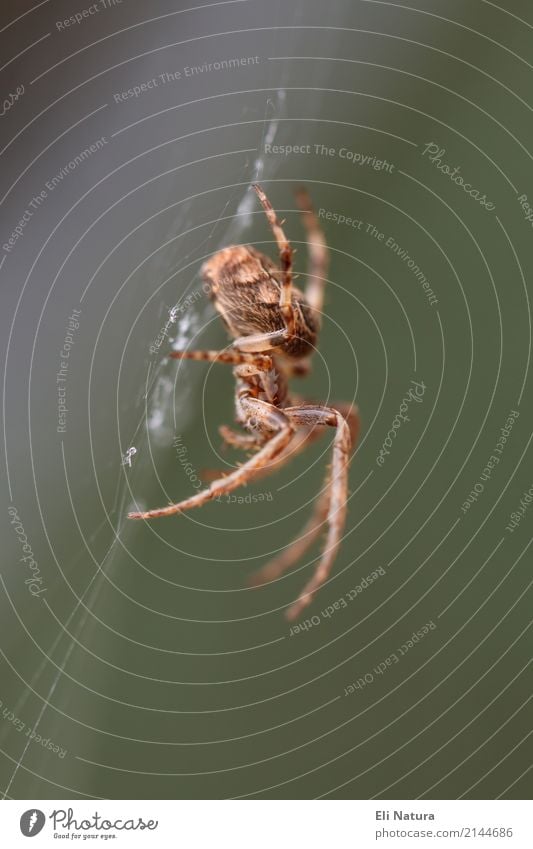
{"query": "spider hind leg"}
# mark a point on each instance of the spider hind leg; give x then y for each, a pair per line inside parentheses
(331, 504)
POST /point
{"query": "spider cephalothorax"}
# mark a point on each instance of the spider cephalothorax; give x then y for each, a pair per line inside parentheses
(274, 327)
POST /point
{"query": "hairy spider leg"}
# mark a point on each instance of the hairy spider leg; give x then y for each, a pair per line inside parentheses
(318, 253)
(267, 417)
(285, 255)
(338, 494)
(299, 545)
(229, 356)
(314, 526)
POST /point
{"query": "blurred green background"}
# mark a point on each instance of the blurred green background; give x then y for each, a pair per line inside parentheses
(147, 659)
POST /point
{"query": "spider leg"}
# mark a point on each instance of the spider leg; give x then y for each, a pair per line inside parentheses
(257, 342)
(318, 253)
(307, 414)
(312, 529)
(248, 365)
(298, 442)
(269, 419)
(246, 441)
(229, 356)
(285, 255)
(347, 410)
(300, 544)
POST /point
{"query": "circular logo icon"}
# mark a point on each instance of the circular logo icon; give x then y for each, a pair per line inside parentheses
(32, 822)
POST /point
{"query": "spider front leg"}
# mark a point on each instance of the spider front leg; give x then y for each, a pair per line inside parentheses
(268, 419)
(285, 256)
(257, 342)
(318, 253)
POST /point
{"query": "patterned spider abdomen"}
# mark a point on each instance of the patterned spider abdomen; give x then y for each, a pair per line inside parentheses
(245, 289)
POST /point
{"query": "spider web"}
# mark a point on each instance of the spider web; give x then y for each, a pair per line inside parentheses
(159, 412)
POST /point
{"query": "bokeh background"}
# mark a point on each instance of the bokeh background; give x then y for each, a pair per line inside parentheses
(139, 664)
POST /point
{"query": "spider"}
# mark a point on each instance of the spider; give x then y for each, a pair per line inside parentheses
(274, 327)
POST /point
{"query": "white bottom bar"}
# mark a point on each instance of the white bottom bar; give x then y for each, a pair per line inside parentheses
(269, 824)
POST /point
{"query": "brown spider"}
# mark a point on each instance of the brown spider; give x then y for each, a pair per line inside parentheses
(274, 327)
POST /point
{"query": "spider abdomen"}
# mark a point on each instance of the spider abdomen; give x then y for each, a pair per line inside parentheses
(245, 288)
